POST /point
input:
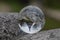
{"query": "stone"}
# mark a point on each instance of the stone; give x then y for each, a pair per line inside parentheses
(9, 30)
(44, 35)
(8, 26)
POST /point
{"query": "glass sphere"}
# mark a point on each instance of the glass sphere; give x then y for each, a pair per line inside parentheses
(32, 19)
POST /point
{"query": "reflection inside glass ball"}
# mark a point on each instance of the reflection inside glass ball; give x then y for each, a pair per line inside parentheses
(29, 26)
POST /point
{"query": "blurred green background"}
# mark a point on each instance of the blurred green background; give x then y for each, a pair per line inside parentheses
(55, 4)
(17, 5)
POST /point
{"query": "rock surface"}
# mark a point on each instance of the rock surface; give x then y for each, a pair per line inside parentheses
(8, 26)
(44, 35)
(9, 30)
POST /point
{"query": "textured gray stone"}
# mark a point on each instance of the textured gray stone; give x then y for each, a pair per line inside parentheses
(8, 26)
(44, 35)
(9, 30)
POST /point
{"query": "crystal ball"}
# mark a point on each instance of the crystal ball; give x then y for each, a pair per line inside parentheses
(31, 19)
